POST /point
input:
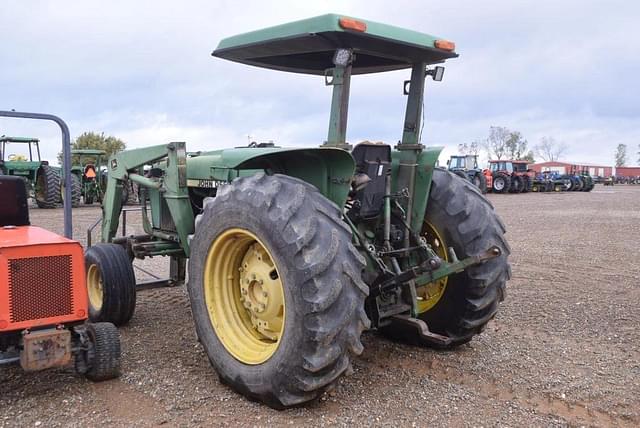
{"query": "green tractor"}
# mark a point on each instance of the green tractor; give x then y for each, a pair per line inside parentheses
(294, 252)
(41, 179)
(89, 171)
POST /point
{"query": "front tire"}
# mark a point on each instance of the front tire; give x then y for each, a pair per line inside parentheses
(104, 363)
(301, 235)
(501, 183)
(111, 284)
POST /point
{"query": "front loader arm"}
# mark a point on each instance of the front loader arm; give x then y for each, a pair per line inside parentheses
(172, 185)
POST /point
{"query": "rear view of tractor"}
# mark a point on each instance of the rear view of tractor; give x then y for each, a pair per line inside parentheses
(43, 296)
(467, 167)
(292, 253)
(88, 170)
(512, 176)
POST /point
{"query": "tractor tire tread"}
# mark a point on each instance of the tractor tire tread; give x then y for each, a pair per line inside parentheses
(312, 234)
(118, 281)
(106, 356)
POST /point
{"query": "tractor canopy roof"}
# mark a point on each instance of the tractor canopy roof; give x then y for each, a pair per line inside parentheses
(6, 139)
(308, 46)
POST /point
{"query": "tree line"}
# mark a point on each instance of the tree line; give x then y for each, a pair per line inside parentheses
(503, 143)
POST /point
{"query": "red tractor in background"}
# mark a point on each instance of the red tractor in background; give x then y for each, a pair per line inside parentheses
(511, 176)
(44, 304)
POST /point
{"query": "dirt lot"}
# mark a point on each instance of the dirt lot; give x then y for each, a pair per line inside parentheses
(563, 350)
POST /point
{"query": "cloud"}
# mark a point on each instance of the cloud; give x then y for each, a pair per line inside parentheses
(142, 71)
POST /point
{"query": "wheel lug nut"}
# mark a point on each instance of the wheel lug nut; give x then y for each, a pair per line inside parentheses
(264, 294)
(244, 291)
(261, 282)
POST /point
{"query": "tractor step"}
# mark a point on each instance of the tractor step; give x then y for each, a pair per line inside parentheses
(418, 326)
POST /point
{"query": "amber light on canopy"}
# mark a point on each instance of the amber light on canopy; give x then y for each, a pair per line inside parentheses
(445, 45)
(352, 24)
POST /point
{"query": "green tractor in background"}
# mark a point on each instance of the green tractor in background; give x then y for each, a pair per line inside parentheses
(292, 253)
(42, 180)
(88, 169)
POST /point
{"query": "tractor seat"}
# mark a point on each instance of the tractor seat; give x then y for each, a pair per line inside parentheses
(90, 171)
(14, 210)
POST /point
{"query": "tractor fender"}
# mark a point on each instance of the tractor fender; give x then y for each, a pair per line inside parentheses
(329, 169)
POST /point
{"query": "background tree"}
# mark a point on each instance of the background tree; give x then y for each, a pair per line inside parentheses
(496, 144)
(472, 148)
(638, 154)
(517, 147)
(621, 155)
(549, 149)
(95, 141)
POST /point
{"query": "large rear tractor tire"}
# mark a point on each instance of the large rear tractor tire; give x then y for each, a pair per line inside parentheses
(129, 193)
(517, 184)
(579, 184)
(47, 188)
(501, 183)
(111, 284)
(276, 290)
(76, 191)
(461, 305)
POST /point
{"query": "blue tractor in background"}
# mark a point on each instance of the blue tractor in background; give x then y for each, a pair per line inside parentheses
(467, 167)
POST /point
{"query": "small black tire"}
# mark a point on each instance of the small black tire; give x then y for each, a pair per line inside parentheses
(320, 271)
(467, 222)
(88, 199)
(104, 362)
(501, 182)
(47, 188)
(111, 284)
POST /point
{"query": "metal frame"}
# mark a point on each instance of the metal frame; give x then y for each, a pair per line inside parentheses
(66, 157)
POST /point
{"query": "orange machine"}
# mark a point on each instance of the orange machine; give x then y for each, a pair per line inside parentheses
(43, 297)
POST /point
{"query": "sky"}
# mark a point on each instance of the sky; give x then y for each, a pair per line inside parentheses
(142, 71)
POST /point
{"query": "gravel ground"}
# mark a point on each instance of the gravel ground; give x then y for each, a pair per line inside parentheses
(563, 351)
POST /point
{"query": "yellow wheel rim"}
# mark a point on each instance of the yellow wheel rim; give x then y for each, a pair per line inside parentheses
(430, 294)
(94, 287)
(244, 296)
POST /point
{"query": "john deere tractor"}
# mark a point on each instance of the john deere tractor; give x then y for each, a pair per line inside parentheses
(88, 169)
(20, 156)
(293, 252)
